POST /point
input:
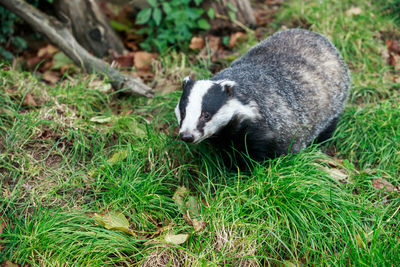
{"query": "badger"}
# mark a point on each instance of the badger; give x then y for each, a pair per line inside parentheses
(283, 94)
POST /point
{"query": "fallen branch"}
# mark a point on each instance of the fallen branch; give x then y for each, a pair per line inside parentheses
(60, 36)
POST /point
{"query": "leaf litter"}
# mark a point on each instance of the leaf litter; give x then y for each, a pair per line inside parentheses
(189, 206)
(335, 169)
(114, 221)
(380, 183)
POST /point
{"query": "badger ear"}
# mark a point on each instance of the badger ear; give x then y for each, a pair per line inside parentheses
(185, 81)
(228, 87)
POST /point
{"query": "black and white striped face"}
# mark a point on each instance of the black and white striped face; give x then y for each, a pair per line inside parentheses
(204, 108)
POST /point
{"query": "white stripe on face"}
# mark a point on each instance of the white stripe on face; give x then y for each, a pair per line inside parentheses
(225, 114)
(193, 107)
(178, 113)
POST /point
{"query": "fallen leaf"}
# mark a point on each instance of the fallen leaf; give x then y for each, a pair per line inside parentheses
(33, 61)
(380, 183)
(176, 239)
(395, 61)
(214, 42)
(29, 100)
(47, 51)
(61, 61)
(289, 264)
(124, 60)
(353, 11)
(118, 157)
(50, 76)
(198, 225)
(179, 196)
(143, 60)
(131, 45)
(114, 221)
(193, 206)
(338, 174)
(235, 38)
(196, 43)
(188, 205)
(393, 46)
(101, 119)
(9, 264)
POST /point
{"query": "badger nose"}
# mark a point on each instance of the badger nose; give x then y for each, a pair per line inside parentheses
(187, 137)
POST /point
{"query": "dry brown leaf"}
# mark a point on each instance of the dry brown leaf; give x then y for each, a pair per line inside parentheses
(393, 46)
(353, 11)
(124, 60)
(214, 42)
(51, 76)
(32, 61)
(197, 225)
(197, 43)
(235, 38)
(47, 51)
(393, 53)
(29, 100)
(143, 60)
(131, 45)
(395, 61)
(380, 183)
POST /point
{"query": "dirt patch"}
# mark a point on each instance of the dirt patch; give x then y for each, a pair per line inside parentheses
(165, 256)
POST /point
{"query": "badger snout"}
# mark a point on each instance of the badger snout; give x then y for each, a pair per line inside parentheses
(187, 137)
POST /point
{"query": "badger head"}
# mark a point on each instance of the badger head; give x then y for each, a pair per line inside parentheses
(206, 106)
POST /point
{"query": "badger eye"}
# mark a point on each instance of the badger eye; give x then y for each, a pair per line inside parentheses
(206, 115)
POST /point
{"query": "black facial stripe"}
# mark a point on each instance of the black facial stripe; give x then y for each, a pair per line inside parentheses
(187, 88)
(212, 101)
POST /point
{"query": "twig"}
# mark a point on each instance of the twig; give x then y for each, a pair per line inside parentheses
(241, 25)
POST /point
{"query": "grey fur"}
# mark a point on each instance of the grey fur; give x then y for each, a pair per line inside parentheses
(300, 84)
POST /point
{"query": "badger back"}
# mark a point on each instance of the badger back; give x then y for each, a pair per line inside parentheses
(299, 81)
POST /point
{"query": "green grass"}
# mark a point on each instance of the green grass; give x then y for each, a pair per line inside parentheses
(58, 167)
